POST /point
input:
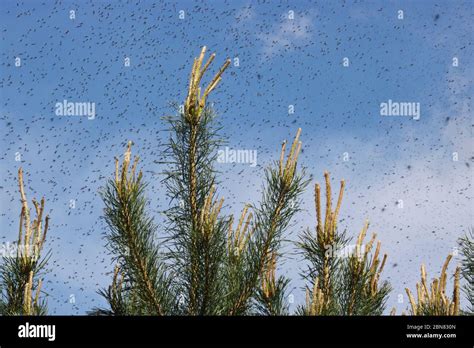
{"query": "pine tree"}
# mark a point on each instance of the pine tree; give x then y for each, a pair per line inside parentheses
(196, 231)
(340, 281)
(220, 268)
(211, 267)
(21, 274)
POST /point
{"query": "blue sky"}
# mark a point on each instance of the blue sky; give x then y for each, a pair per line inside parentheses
(282, 62)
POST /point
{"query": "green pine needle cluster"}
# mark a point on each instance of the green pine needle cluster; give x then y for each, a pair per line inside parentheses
(432, 299)
(342, 279)
(141, 284)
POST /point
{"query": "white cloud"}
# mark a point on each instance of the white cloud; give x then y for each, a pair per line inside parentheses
(287, 34)
(245, 14)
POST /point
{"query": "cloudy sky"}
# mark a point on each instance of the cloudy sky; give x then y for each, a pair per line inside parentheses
(331, 62)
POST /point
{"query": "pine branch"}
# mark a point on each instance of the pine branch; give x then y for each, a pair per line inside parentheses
(238, 263)
(131, 241)
(433, 300)
(271, 295)
(116, 297)
(340, 284)
(197, 232)
(215, 278)
(466, 243)
(20, 275)
(320, 250)
(279, 204)
(360, 292)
